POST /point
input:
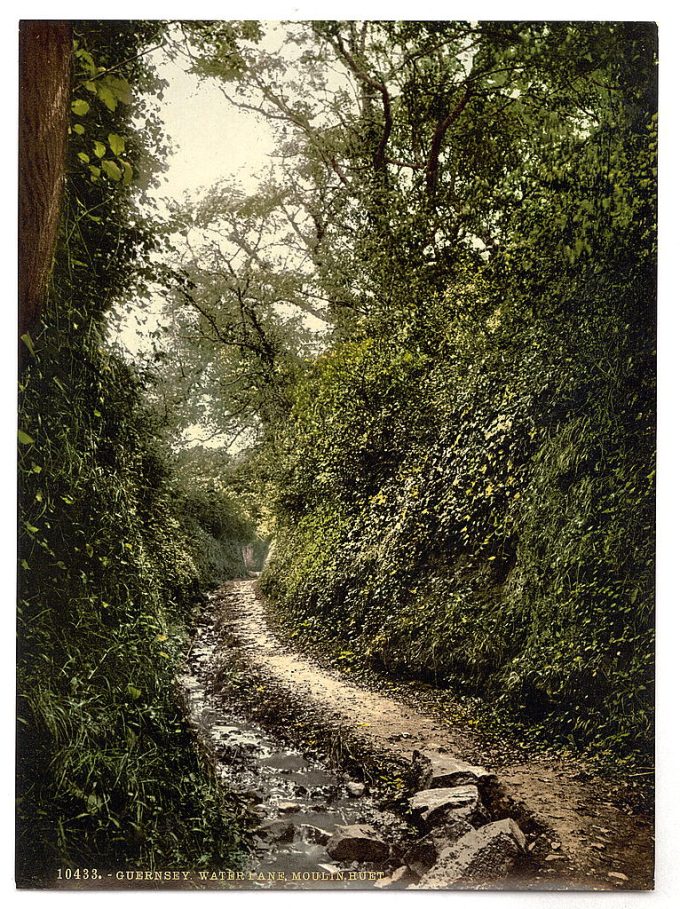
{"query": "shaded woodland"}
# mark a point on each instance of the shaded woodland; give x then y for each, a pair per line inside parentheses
(428, 345)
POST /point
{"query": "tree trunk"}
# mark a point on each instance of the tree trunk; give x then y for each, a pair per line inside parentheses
(44, 95)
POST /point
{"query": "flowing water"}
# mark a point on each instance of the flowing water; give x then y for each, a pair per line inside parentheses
(299, 801)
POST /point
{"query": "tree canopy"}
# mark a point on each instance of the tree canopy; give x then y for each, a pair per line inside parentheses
(423, 352)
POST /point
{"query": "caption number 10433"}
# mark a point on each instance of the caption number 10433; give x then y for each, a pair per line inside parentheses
(78, 874)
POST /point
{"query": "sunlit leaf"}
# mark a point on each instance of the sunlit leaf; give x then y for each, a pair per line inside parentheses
(111, 169)
(80, 107)
(117, 144)
(106, 96)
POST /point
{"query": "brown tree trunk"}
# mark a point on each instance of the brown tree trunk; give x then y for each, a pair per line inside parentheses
(44, 95)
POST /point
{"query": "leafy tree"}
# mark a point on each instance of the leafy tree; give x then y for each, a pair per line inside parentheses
(108, 775)
(478, 205)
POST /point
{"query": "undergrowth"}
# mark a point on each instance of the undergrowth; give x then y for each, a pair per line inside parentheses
(112, 552)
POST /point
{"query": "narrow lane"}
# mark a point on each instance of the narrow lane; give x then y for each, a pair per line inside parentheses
(591, 843)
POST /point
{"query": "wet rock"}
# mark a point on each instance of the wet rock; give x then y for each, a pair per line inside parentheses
(438, 771)
(356, 790)
(277, 831)
(312, 834)
(438, 807)
(402, 877)
(357, 843)
(288, 807)
(486, 854)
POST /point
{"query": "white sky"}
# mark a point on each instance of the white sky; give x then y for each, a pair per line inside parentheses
(211, 139)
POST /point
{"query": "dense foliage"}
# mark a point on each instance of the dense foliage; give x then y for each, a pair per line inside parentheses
(114, 546)
(434, 328)
(463, 481)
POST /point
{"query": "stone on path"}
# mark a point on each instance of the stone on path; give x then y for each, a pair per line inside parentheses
(421, 856)
(617, 875)
(402, 877)
(436, 807)
(449, 833)
(356, 789)
(487, 854)
(439, 771)
(357, 843)
(424, 853)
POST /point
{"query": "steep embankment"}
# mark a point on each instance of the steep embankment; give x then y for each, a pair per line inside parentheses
(577, 835)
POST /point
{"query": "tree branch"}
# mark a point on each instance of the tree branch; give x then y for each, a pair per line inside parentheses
(432, 166)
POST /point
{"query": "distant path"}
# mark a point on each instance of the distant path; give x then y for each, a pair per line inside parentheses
(593, 844)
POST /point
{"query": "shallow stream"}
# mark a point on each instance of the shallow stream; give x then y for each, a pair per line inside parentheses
(299, 800)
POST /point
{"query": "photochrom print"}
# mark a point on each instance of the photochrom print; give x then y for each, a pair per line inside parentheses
(336, 455)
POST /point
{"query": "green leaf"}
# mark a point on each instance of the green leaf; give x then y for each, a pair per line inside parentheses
(111, 169)
(25, 565)
(86, 59)
(79, 129)
(84, 158)
(95, 171)
(128, 173)
(91, 87)
(80, 107)
(135, 693)
(24, 438)
(99, 149)
(120, 88)
(106, 96)
(117, 144)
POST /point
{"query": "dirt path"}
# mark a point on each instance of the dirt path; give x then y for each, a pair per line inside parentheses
(588, 842)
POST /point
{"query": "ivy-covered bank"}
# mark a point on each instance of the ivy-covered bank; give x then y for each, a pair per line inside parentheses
(480, 516)
(113, 548)
(465, 483)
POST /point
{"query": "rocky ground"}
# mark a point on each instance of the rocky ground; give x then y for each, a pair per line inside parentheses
(456, 821)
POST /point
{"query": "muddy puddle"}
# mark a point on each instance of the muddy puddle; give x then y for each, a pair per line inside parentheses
(299, 802)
